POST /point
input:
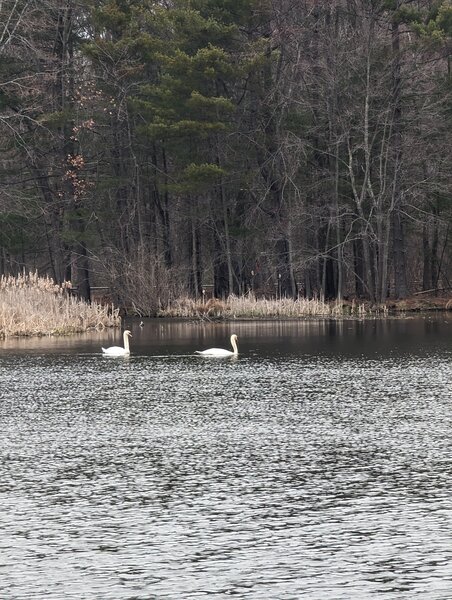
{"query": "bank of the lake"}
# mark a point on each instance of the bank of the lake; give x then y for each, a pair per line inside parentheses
(252, 307)
(35, 306)
(32, 305)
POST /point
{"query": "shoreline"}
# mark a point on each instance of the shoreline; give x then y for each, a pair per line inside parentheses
(216, 311)
(239, 308)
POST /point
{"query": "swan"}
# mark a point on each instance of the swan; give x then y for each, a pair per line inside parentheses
(119, 350)
(221, 351)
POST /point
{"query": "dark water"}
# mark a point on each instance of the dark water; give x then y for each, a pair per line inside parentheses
(315, 465)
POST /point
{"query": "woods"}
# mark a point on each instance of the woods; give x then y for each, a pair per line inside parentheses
(287, 148)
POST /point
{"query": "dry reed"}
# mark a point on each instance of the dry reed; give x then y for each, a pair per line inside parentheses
(251, 307)
(33, 305)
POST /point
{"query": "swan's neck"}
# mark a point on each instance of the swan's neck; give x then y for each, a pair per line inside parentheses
(126, 343)
(234, 346)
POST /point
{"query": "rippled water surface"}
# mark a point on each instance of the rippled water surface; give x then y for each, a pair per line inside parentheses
(314, 465)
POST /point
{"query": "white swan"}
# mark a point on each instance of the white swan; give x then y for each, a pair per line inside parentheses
(119, 350)
(221, 351)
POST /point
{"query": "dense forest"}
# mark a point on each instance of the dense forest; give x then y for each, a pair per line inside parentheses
(162, 148)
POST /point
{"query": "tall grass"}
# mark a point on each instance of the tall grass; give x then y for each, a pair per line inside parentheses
(33, 305)
(251, 307)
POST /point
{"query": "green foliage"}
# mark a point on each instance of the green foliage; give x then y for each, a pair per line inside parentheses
(13, 232)
(229, 12)
(72, 233)
(198, 178)
(9, 68)
(297, 121)
(209, 107)
(183, 129)
(55, 120)
(438, 26)
(205, 173)
(195, 30)
(112, 15)
(444, 18)
(186, 98)
(406, 14)
(234, 104)
(147, 46)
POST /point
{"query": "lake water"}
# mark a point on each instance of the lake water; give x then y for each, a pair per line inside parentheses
(314, 465)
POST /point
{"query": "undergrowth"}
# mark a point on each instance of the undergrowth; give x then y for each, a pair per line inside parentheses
(251, 307)
(33, 305)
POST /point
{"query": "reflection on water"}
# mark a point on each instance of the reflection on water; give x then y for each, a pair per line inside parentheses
(315, 465)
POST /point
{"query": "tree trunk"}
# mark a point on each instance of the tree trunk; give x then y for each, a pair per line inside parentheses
(220, 271)
(434, 254)
(83, 271)
(195, 277)
(398, 234)
(270, 168)
(358, 267)
(427, 260)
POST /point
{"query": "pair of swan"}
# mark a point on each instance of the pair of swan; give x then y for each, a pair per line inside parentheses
(125, 351)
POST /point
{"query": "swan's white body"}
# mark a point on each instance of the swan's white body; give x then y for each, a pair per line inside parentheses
(221, 351)
(119, 350)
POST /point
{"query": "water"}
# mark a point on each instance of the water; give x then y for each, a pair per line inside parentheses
(315, 465)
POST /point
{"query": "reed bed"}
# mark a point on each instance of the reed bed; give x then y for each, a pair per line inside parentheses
(251, 307)
(33, 305)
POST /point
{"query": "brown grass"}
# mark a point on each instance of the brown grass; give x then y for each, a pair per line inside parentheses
(251, 307)
(33, 305)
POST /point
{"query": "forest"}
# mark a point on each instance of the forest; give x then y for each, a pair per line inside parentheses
(159, 149)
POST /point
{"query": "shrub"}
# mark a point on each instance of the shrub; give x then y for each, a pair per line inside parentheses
(251, 307)
(33, 305)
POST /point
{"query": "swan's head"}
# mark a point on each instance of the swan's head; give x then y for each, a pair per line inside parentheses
(234, 337)
(127, 333)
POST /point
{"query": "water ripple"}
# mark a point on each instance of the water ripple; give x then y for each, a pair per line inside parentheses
(277, 476)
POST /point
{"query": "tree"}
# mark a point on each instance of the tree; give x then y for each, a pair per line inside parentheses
(282, 147)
